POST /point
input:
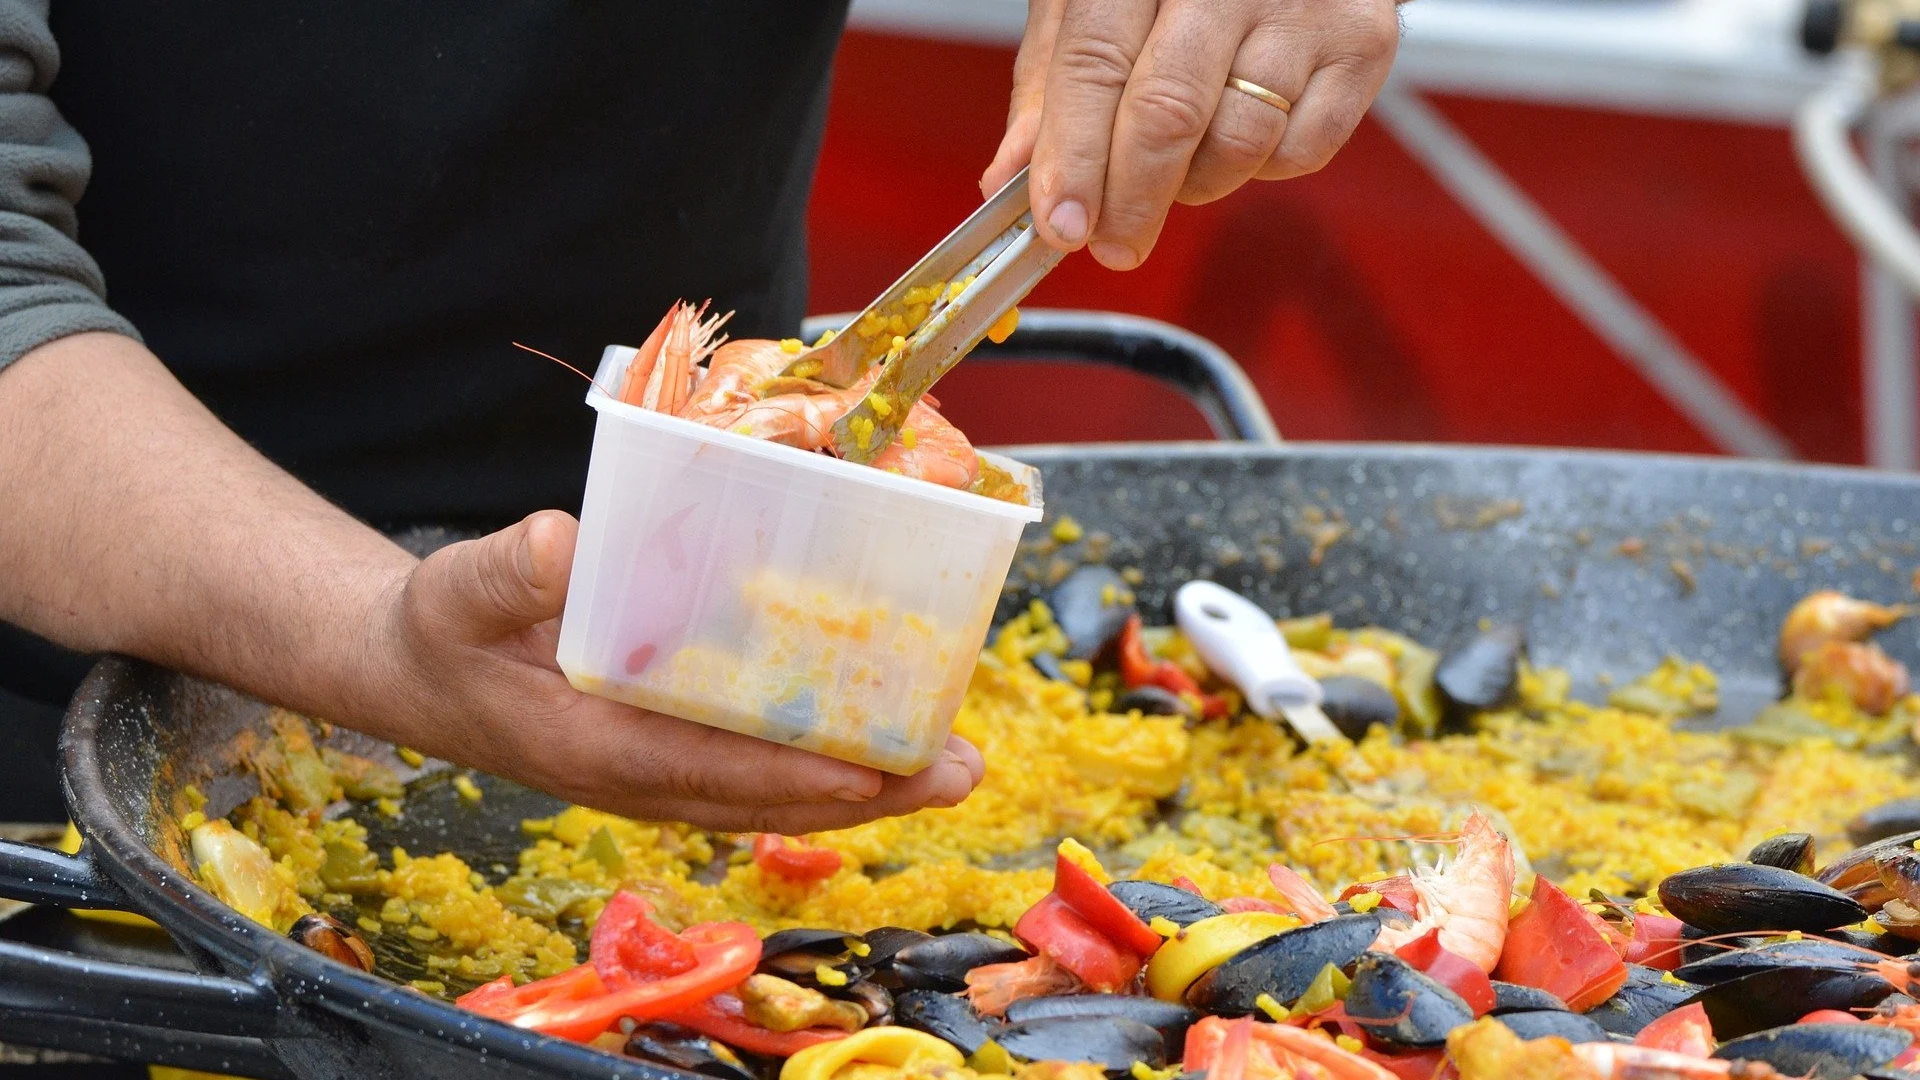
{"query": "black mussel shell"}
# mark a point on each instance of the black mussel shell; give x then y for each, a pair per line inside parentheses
(332, 939)
(1151, 900)
(1779, 996)
(1355, 704)
(1889, 1074)
(1704, 946)
(1538, 1025)
(1169, 1019)
(1482, 674)
(1819, 1051)
(942, 963)
(1090, 606)
(798, 955)
(1788, 851)
(1646, 996)
(943, 1016)
(1737, 898)
(882, 944)
(1049, 665)
(1113, 1043)
(661, 1043)
(1283, 966)
(1737, 963)
(1512, 997)
(1400, 1006)
(1883, 944)
(1888, 819)
(1153, 701)
(869, 995)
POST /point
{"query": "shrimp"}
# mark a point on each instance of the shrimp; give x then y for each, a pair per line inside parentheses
(993, 987)
(1858, 673)
(1467, 901)
(1487, 1050)
(741, 390)
(1828, 616)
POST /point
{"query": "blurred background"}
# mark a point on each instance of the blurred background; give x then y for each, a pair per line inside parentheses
(1567, 222)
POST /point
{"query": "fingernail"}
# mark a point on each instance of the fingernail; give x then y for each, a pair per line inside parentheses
(1114, 256)
(1069, 221)
(847, 794)
(969, 756)
(524, 557)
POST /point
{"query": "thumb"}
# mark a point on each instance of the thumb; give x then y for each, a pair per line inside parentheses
(505, 581)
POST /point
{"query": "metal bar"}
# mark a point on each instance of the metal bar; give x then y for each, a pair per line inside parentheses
(1888, 383)
(1573, 276)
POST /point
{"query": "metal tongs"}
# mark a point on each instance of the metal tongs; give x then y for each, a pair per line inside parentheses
(1000, 256)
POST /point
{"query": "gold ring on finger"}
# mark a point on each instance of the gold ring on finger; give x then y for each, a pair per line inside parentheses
(1261, 92)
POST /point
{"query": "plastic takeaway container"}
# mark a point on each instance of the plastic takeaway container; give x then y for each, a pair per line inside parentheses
(778, 593)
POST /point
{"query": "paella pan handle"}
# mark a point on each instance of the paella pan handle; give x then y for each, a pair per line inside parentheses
(1196, 367)
(60, 984)
(40, 875)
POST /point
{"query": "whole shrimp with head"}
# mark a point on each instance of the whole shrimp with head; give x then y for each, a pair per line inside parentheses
(1468, 901)
(686, 368)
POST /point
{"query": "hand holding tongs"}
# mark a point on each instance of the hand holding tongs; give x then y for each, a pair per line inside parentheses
(998, 249)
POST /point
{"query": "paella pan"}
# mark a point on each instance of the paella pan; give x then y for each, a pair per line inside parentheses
(1635, 605)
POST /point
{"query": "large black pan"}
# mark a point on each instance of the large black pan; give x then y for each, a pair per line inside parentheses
(1610, 561)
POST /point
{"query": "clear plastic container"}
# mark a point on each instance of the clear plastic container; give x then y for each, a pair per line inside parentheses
(781, 594)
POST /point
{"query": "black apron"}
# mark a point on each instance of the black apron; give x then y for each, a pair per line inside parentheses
(332, 220)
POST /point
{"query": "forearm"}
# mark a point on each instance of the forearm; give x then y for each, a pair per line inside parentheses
(136, 522)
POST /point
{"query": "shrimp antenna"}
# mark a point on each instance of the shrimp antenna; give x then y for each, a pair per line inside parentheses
(569, 367)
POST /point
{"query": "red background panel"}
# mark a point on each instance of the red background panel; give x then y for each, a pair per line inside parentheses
(1364, 301)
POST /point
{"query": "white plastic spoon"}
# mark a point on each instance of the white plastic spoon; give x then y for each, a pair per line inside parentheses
(1241, 644)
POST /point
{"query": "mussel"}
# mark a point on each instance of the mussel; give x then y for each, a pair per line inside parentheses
(1779, 996)
(1153, 701)
(800, 954)
(1788, 851)
(1355, 704)
(1819, 1051)
(1737, 963)
(1151, 900)
(661, 1043)
(1090, 606)
(332, 939)
(1646, 996)
(1483, 674)
(1736, 898)
(1113, 1043)
(1887, 819)
(1512, 997)
(1049, 665)
(1538, 1025)
(1282, 966)
(1400, 1006)
(1857, 869)
(1171, 1020)
(944, 1016)
(942, 963)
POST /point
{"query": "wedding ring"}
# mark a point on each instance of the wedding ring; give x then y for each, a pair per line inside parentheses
(1261, 92)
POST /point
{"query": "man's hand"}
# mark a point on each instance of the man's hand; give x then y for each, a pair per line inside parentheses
(136, 523)
(475, 627)
(1123, 107)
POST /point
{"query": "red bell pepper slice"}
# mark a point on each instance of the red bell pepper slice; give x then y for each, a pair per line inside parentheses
(1827, 1016)
(1685, 1030)
(1139, 668)
(1089, 899)
(1055, 930)
(1419, 1065)
(1456, 973)
(1552, 946)
(725, 954)
(1274, 1052)
(627, 946)
(1657, 942)
(795, 860)
(723, 1017)
(1189, 885)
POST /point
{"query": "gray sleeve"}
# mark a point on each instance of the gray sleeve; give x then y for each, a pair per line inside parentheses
(49, 286)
